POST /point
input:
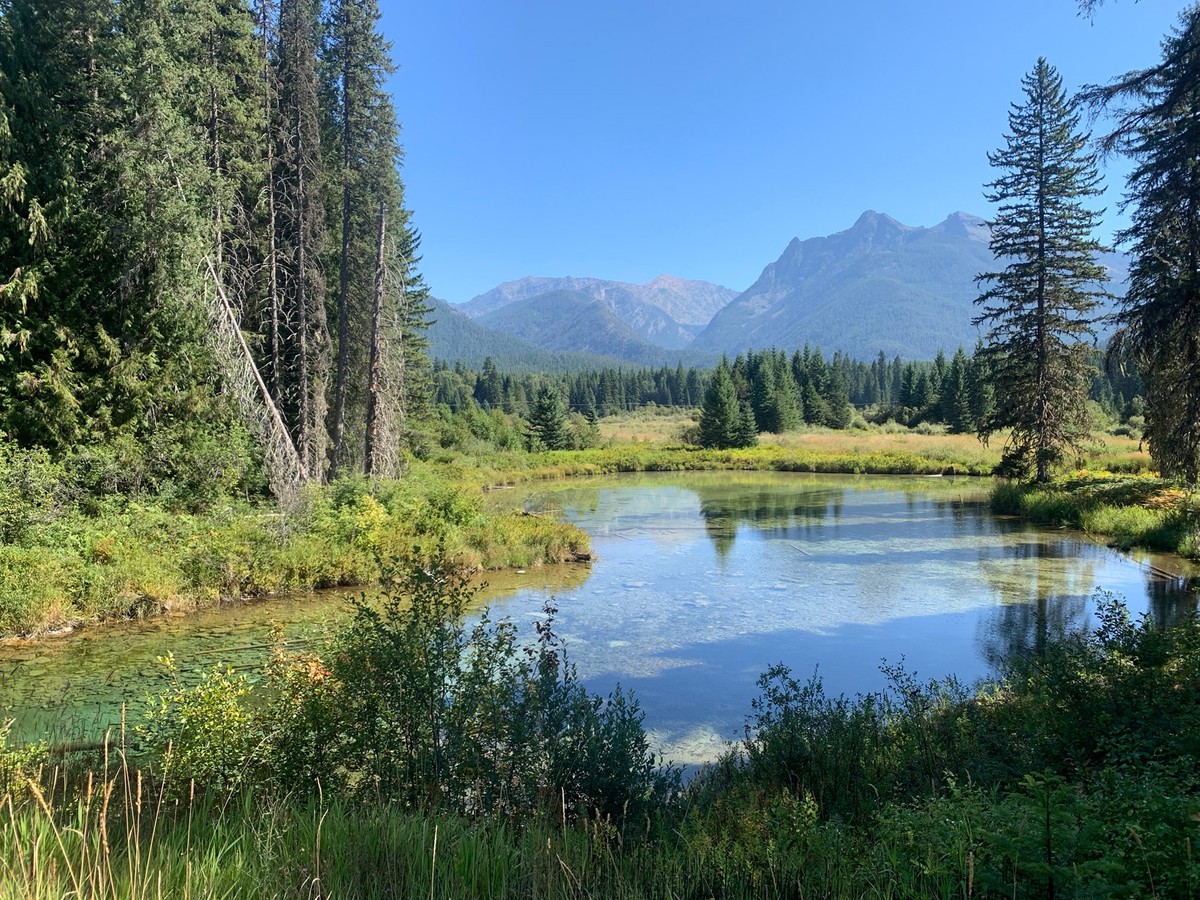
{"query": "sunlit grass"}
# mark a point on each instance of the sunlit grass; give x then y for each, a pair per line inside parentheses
(1127, 510)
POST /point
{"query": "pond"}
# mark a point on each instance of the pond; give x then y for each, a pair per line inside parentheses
(701, 581)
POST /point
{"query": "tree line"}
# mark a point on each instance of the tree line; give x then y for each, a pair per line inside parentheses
(772, 391)
(199, 200)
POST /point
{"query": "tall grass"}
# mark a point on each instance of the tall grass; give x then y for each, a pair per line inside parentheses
(1076, 777)
(101, 840)
(141, 560)
(1128, 511)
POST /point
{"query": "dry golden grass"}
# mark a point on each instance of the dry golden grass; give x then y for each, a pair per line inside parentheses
(853, 441)
(1117, 452)
(634, 429)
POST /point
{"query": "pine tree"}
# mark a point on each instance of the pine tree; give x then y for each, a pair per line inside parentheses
(1040, 305)
(301, 232)
(1159, 318)
(783, 412)
(954, 401)
(547, 422)
(981, 395)
(490, 386)
(841, 412)
(52, 63)
(720, 414)
(746, 434)
(362, 145)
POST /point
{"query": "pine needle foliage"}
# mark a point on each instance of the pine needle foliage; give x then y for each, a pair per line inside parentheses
(1159, 317)
(1040, 307)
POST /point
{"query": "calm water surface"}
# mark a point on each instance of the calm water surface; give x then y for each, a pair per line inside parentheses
(701, 581)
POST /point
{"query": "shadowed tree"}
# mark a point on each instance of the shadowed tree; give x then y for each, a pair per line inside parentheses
(1159, 317)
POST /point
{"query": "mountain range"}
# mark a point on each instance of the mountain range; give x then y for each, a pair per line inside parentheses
(878, 285)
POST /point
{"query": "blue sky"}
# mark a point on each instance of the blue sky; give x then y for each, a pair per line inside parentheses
(626, 138)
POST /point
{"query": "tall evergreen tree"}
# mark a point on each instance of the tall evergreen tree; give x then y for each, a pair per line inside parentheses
(363, 153)
(954, 399)
(490, 386)
(1040, 305)
(547, 422)
(982, 396)
(721, 415)
(1159, 317)
(301, 231)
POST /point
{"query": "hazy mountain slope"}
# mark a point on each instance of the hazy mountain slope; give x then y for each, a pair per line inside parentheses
(454, 336)
(666, 311)
(879, 285)
(571, 320)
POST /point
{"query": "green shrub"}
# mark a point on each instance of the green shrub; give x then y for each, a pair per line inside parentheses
(409, 704)
(203, 735)
(34, 588)
(33, 491)
(436, 714)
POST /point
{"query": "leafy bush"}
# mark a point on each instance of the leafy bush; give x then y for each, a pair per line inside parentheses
(846, 753)
(436, 714)
(33, 491)
(203, 734)
(409, 704)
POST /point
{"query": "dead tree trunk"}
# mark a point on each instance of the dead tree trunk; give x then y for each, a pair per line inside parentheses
(343, 351)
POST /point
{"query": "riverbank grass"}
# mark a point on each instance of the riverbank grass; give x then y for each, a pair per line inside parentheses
(398, 764)
(1127, 510)
(68, 557)
(818, 450)
(138, 559)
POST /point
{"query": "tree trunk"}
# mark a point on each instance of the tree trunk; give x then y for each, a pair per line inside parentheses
(339, 401)
(374, 374)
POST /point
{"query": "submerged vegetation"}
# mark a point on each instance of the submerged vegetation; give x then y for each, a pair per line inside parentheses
(412, 755)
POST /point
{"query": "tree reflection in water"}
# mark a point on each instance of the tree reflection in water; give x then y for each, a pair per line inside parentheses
(783, 514)
(1058, 599)
(1054, 605)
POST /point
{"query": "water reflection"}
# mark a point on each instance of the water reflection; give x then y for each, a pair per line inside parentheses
(701, 581)
(1043, 585)
(1170, 598)
(1047, 587)
(727, 508)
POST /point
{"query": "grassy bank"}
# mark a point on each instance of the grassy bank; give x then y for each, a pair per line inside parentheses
(508, 468)
(875, 452)
(1128, 511)
(403, 761)
(131, 559)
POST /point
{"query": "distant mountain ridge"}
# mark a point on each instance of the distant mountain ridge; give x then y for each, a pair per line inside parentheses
(455, 337)
(666, 311)
(878, 285)
(572, 320)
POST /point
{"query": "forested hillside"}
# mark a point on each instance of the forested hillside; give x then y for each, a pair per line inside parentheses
(454, 336)
(207, 261)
